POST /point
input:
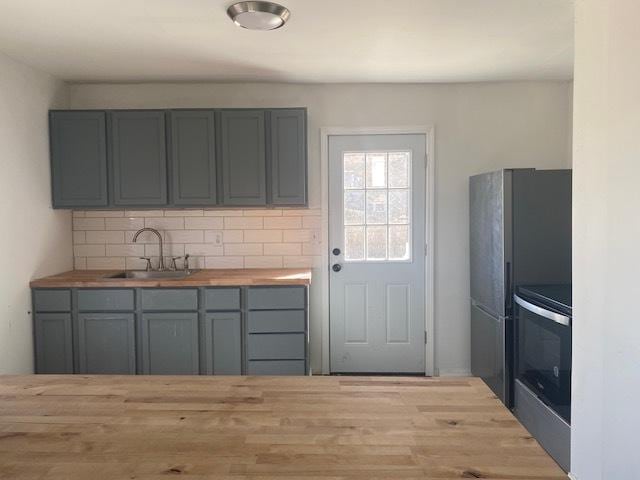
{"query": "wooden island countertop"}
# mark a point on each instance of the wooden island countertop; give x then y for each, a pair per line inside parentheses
(201, 278)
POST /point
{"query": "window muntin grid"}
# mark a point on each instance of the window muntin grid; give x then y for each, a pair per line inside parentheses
(377, 206)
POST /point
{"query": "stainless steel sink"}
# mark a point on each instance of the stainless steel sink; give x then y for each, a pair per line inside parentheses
(150, 275)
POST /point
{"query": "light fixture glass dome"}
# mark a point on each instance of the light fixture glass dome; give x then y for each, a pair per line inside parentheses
(258, 15)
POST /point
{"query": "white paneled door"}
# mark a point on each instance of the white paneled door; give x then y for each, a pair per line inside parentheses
(377, 253)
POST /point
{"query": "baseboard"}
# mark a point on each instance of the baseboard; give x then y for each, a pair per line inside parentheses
(453, 372)
(572, 476)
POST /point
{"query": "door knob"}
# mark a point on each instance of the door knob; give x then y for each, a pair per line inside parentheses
(336, 267)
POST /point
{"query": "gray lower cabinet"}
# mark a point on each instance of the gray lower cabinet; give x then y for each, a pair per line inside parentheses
(138, 157)
(172, 331)
(106, 343)
(78, 158)
(53, 343)
(193, 158)
(288, 157)
(169, 343)
(222, 343)
(243, 150)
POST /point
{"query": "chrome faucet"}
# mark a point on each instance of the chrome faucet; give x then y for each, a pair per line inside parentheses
(161, 267)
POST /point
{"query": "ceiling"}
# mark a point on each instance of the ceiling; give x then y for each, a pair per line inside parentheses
(324, 40)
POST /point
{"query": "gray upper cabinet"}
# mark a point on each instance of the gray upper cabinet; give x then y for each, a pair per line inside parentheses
(106, 343)
(288, 157)
(242, 140)
(169, 344)
(138, 158)
(193, 158)
(78, 159)
(178, 158)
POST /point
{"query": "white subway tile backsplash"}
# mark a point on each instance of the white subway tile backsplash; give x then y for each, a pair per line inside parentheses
(271, 212)
(243, 249)
(203, 249)
(106, 263)
(144, 213)
(125, 250)
(104, 236)
(283, 249)
(228, 236)
(224, 262)
(79, 237)
(88, 223)
(263, 262)
(222, 213)
(164, 223)
(264, 236)
(183, 213)
(104, 213)
(124, 223)
(283, 222)
(203, 223)
(214, 238)
(89, 251)
(184, 236)
(243, 223)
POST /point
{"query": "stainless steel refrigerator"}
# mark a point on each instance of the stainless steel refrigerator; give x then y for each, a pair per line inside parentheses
(520, 233)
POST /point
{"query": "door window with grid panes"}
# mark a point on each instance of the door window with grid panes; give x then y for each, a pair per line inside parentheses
(377, 206)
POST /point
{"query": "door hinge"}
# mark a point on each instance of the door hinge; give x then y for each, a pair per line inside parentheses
(426, 337)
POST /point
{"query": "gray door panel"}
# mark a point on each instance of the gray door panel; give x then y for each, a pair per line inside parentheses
(106, 343)
(78, 159)
(53, 342)
(288, 157)
(169, 343)
(138, 157)
(223, 343)
(243, 157)
(487, 349)
(488, 238)
(193, 157)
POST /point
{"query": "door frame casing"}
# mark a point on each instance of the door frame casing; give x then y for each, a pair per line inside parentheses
(429, 132)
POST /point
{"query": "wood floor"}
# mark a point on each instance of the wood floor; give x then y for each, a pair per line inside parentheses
(261, 428)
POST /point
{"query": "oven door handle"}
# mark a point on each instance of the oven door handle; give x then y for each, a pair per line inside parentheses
(556, 317)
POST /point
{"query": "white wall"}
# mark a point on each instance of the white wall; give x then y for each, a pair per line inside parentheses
(479, 127)
(35, 240)
(606, 242)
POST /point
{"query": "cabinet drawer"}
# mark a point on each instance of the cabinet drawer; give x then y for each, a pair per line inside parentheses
(276, 321)
(272, 298)
(170, 299)
(276, 346)
(276, 367)
(52, 300)
(107, 299)
(222, 298)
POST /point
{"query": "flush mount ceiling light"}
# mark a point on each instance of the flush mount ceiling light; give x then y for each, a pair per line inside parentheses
(258, 15)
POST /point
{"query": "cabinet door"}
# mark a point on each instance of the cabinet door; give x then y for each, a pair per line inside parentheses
(223, 344)
(78, 159)
(193, 158)
(106, 343)
(138, 158)
(288, 154)
(169, 343)
(54, 344)
(243, 157)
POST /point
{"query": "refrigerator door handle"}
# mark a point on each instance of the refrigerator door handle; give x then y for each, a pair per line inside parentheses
(509, 288)
(543, 312)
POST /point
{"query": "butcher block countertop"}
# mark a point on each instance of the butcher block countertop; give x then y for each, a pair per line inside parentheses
(200, 278)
